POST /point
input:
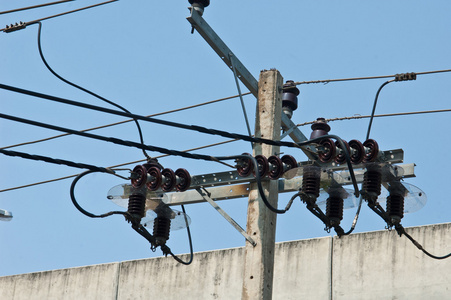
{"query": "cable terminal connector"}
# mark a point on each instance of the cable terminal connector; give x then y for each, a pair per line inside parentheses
(15, 27)
(406, 76)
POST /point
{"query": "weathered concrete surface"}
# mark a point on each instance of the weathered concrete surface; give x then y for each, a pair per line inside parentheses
(375, 265)
(212, 275)
(92, 282)
(302, 270)
(382, 265)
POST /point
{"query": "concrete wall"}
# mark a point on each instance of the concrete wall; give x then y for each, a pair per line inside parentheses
(375, 265)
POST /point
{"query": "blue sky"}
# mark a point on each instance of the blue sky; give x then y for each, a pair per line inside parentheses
(141, 55)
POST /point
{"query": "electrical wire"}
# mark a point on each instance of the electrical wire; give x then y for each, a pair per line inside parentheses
(190, 243)
(126, 121)
(152, 120)
(22, 25)
(401, 231)
(111, 167)
(41, 54)
(374, 107)
(354, 222)
(34, 6)
(357, 117)
(191, 155)
(137, 227)
(81, 209)
(366, 78)
(184, 154)
(56, 161)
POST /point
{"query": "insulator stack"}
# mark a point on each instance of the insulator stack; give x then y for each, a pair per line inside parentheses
(155, 178)
(334, 209)
(244, 166)
(372, 180)
(161, 228)
(341, 157)
(183, 179)
(395, 207)
(263, 165)
(168, 180)
(311, 179)
(136, 205)
(139, 176)
(275, 167)
(371, 150)
(330, 151)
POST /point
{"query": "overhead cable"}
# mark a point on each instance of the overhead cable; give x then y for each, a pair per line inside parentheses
(22, 25)
(357, 117)
(56, 161)
(190, 155)
(126, 121)
(369, 77)
(111, 167)
(147, 119)
(34, 6)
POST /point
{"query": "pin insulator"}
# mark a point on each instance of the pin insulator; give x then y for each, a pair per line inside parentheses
(320, 128)
(289, 97)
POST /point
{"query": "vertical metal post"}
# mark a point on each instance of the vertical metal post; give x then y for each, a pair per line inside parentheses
(261, 222)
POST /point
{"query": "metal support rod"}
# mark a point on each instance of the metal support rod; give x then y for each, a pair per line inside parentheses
(206, 196)
(261, 222)
(222, 50)
(241, 96)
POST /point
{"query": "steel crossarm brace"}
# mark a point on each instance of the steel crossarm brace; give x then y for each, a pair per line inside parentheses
(223, 51)
(243, 73)
(206, 196)
(241, 190)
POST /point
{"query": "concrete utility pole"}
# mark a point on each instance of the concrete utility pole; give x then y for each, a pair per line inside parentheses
(261, 222)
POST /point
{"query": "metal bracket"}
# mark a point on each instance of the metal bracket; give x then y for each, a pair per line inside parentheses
(206, 196)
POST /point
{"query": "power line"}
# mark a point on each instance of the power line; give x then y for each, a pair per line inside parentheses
(56, 161)
(111, 167)
(139, 117)
(22, 25)
(378, 116)
(149, 147)
(34, 6)
(126, 121)
(366, 78)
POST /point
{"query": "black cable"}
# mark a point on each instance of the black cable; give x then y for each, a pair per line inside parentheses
(191, 155)
(401, 231)
(86, 90)
(157, 121)
(56, 161)
(85, 212)
(190, 244)
(374, 107)
(398, 77)
(23, 25)
(34, 6)
(147, 119)
(354, 223)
